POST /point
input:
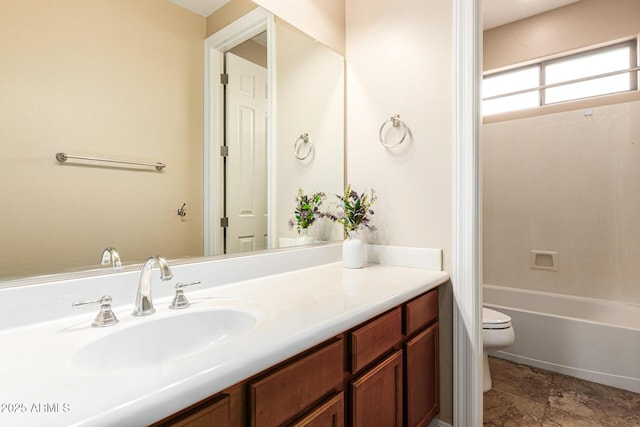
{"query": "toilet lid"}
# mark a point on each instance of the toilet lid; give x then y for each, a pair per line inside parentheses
(492, 319)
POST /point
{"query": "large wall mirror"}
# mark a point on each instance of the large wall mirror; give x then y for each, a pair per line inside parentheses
(124, 80)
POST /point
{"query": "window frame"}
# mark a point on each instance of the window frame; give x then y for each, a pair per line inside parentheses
(632, 71)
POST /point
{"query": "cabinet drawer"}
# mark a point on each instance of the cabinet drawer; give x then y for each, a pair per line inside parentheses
(375, 338)
(328, 414)
(421, 311)
(293, 388)
(216, 413)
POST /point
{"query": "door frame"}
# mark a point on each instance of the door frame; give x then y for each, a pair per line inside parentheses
(248, 26)
(466, 259)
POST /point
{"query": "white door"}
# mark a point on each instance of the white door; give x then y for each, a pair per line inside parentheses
(246, 163)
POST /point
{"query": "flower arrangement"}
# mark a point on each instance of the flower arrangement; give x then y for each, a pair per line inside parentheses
(355, 212)
(307, 210)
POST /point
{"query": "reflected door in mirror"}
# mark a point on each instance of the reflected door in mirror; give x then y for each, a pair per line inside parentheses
(246, 163)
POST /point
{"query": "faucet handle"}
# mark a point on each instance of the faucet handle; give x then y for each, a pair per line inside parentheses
(180, 300)
(105, 317)
(111, 256)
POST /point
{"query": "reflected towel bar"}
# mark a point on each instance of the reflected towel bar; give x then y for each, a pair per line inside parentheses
(63, 157)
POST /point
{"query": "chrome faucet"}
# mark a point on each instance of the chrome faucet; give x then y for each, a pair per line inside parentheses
(111, 256)
(144, 304)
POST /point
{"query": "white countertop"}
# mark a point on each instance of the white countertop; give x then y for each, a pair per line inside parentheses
(39, 385)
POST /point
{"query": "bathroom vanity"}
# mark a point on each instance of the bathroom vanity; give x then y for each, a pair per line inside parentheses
(266, 340)
(389, 363)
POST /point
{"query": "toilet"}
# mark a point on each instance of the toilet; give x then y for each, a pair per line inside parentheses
(497, 333)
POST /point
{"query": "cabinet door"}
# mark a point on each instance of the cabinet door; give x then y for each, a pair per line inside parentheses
(376, 396)
(422, 387)
(329, 414)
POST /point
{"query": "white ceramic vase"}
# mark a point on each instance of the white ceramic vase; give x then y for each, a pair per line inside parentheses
(303, 238)
(352, 251)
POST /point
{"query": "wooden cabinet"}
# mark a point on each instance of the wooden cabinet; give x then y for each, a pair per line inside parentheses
(421, 377)
(403, 389)
(421, 380)
(373, 339)
(294, 388)
(213, 412)
(376, 396)
(383, 372)
(421, 312)
(327, 414)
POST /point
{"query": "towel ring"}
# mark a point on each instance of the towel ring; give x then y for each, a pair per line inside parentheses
(302, 141)
(395, 122)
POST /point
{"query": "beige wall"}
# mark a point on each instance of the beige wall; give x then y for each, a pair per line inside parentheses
(399, 61)
(321, 19)
(251, 51)
(309, 99)
(576, 26)
(118, 79)
(565, 181)
(228, 13)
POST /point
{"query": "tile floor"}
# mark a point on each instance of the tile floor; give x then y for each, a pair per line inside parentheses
(523, 396)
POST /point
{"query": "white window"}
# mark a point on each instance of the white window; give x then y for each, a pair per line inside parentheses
(511, 90)
(597, 72)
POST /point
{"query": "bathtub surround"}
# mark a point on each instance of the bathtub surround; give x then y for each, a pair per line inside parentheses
(564, 180)
(564, 183)
(526, 397)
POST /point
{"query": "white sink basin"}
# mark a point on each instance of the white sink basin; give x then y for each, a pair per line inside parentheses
(164, 339)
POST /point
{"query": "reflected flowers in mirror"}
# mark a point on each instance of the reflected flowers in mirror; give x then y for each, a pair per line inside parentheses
(307, 210)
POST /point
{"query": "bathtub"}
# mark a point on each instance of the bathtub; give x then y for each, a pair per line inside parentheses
(596, 340)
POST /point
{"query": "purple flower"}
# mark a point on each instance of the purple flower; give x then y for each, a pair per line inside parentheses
(356, 209)
(306, 209)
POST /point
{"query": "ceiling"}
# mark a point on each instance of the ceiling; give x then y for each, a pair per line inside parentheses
(496, 12)
(500, 12)
(201, 7)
